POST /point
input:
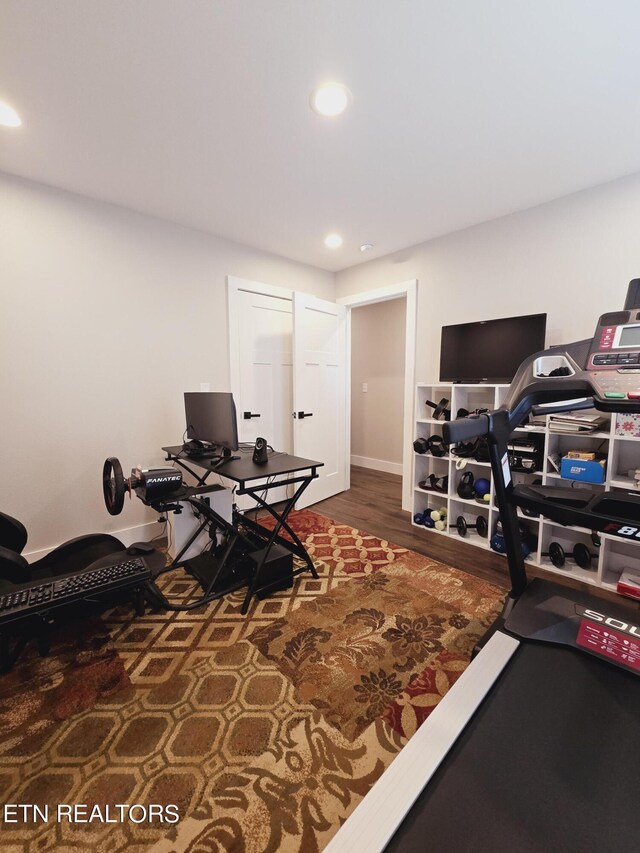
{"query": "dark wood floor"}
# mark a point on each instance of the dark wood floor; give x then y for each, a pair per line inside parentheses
(374, 504)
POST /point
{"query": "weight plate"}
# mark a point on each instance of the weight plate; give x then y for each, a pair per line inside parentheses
(113, 485)
(461, 525)
(557, 555)
(481, 526)
(596, 541)
(582, 555)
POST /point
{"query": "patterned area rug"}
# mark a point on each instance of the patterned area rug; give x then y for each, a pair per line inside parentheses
(265, 730)
(352, 652)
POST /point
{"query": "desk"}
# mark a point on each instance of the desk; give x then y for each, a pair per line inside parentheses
(279, 468)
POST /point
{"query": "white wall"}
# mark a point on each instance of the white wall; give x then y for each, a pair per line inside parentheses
(571, 258)
(106, 317)
(377, 359)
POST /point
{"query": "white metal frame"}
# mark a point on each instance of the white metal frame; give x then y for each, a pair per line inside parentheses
(408, 289)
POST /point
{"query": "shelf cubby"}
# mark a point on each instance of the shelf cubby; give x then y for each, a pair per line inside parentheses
(623, 455)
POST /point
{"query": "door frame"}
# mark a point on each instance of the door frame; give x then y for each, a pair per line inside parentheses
(408, 289)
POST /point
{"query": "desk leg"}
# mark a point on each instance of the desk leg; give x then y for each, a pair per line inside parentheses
(281, 522)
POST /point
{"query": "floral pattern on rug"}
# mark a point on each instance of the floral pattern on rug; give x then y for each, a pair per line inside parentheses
(410, 709)
(352, 652)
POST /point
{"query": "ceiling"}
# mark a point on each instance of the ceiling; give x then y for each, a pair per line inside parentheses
(197, 111)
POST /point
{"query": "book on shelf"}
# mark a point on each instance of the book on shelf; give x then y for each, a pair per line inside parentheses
(583, 423)
(535, 422)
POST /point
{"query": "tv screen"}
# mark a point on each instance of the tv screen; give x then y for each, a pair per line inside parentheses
(490, 350)
(211, 418)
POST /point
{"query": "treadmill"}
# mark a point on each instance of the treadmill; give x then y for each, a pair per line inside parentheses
(536, 747)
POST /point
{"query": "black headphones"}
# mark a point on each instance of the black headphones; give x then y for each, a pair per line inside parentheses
(465, 486)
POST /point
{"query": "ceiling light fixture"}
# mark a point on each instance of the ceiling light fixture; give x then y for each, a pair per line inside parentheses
(330, 99)
(333, 241)
(8, 116)
(366, 247)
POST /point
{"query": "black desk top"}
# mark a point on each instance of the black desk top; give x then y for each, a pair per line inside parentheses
(245, 469)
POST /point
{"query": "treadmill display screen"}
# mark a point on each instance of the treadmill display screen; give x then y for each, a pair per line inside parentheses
(603, 640)
(630, 336)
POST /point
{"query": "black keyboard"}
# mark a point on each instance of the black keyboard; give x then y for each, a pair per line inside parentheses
(46, 594)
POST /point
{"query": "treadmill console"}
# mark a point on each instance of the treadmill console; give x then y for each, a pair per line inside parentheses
(614, 356)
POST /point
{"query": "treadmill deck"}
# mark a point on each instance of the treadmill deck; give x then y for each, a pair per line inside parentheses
(550, 762)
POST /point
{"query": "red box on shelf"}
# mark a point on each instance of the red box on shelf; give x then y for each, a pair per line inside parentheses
(629, 583)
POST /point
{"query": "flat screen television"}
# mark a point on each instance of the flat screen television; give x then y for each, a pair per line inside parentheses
(211, 418)
(490, 350)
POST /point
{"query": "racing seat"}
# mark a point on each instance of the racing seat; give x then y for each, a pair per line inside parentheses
(71, 556)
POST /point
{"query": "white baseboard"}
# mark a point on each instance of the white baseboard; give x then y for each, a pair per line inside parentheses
(377, 464)
(139, 533)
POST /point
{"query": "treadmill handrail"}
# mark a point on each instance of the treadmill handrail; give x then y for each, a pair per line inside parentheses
(528, 390)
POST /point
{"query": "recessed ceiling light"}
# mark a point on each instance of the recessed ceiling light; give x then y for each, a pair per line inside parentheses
(330, 99)
(333, 241)
(366, 247)
(8, 116)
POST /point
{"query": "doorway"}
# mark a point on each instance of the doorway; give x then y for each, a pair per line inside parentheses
(407, 292)
(377, 385)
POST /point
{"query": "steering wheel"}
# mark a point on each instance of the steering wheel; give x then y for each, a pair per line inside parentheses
(113, 485)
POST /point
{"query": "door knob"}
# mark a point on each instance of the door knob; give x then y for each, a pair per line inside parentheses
(248, 415)
(302, 415)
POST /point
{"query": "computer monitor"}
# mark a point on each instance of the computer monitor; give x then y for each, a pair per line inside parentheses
(211, 418)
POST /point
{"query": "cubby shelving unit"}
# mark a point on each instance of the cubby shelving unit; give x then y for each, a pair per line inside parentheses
(622, 451)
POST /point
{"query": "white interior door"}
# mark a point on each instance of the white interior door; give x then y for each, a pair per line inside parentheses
(266, 370)
(319, 398)
(262, 371)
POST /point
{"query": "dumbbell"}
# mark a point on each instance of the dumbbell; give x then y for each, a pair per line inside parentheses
(558, 556)
(424, 519)
(462, 526)
(439, 518)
